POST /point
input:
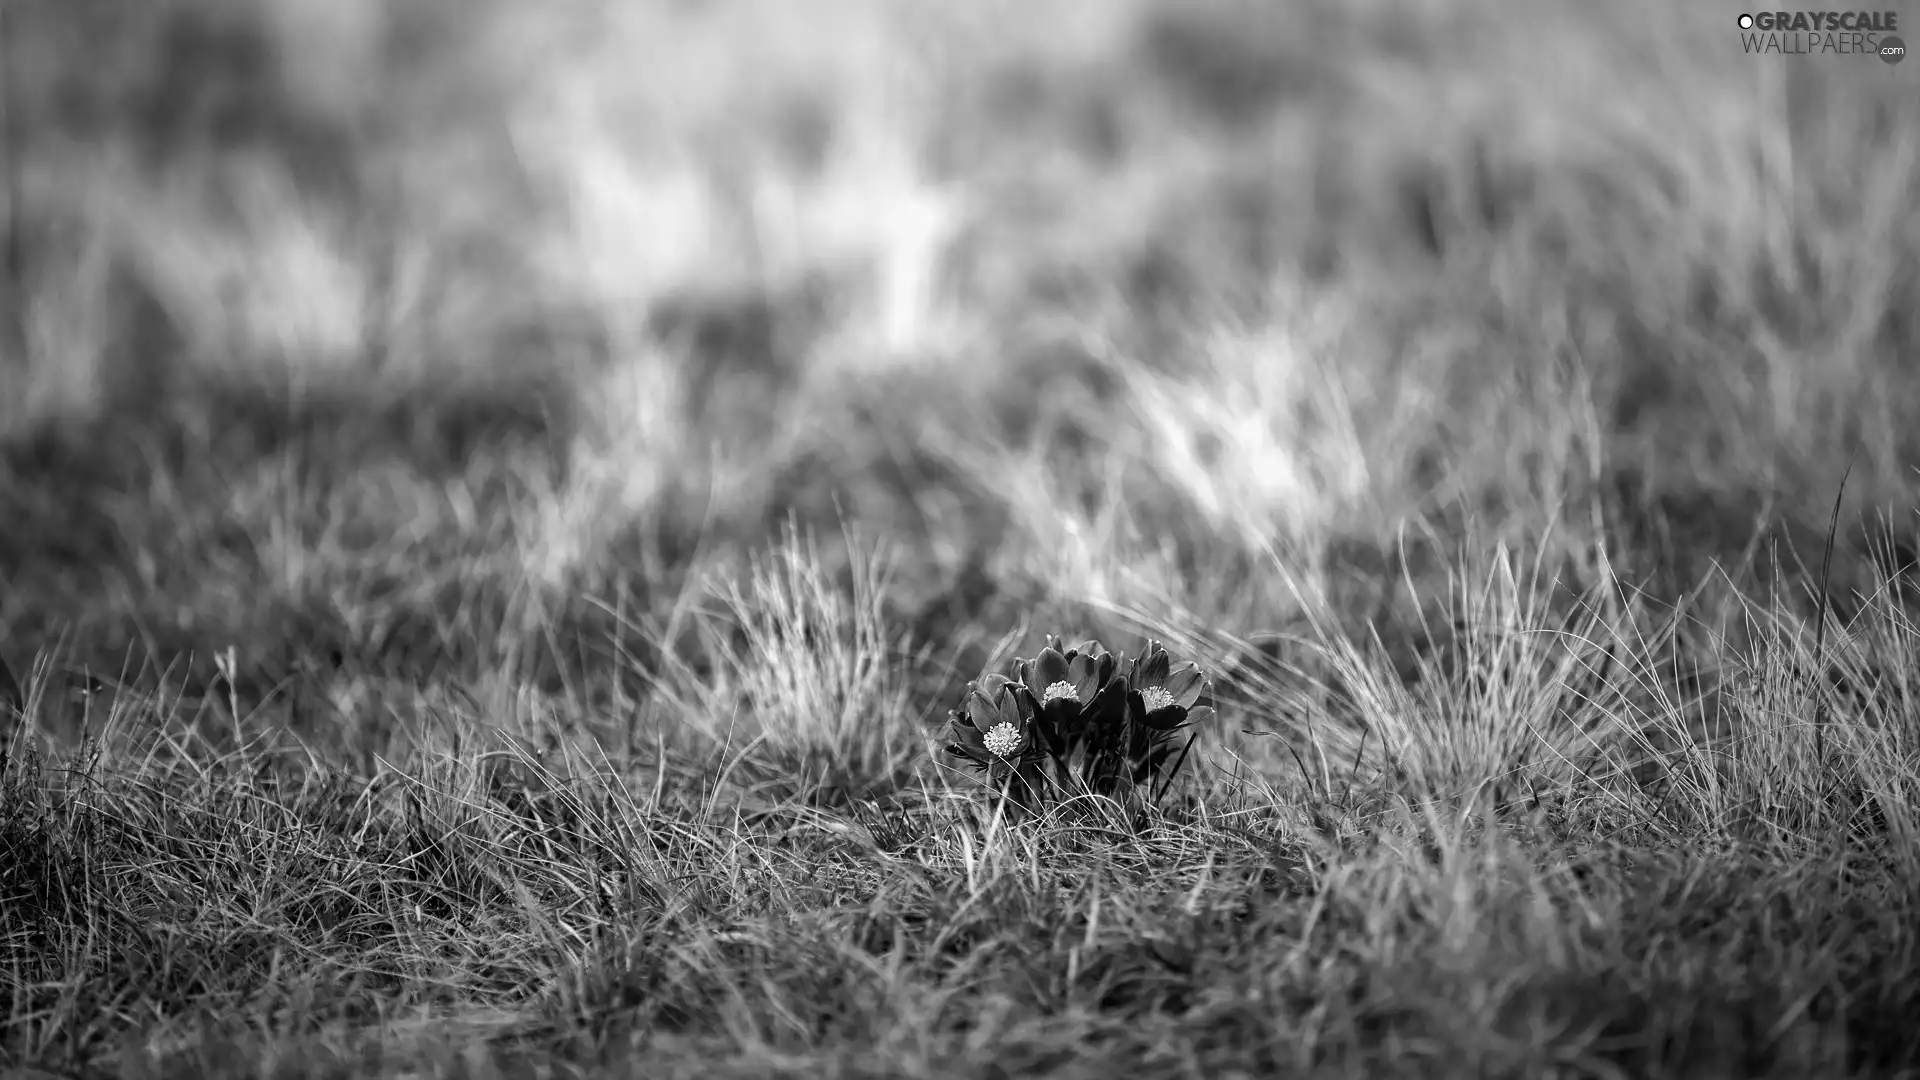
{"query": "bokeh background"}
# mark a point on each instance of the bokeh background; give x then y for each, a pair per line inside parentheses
(357, 349)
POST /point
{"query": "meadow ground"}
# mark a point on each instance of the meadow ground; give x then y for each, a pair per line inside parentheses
(496, 501)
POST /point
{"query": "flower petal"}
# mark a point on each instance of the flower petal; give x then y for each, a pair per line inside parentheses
(1029, 698)
(993, 700)
(1048, 668)
(1103, 660)
(979, 711)
(1185, 684)
(1152, 667)
(1108, 707)
(1090, 648)
(1013, 706)
(1083, 672)
(966, 741)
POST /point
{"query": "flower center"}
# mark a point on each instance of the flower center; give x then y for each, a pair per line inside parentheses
(1156, 698)
(1002, 739)
(1061, 689)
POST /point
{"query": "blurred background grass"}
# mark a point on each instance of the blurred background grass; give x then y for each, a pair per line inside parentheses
(455, 342)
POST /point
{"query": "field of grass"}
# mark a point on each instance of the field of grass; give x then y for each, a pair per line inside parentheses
(497, 500)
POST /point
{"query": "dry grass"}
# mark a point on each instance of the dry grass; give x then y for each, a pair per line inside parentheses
(495, 501)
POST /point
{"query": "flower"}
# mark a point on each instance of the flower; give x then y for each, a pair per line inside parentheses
(1163, 697)
(1073, 674)
(1078, 718)
(994, 725)
(1069, 687)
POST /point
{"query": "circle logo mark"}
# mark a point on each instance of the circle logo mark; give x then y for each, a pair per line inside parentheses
(1892, 50)
(1746, 22)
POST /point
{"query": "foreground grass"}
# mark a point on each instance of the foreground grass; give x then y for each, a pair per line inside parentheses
(523, 887)
(340, 927)
(484, 543)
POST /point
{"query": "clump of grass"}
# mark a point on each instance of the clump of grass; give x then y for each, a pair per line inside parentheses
(798, 667)
(1814, 736)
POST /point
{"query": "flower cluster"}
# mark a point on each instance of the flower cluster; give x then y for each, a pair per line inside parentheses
(1081, 719)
